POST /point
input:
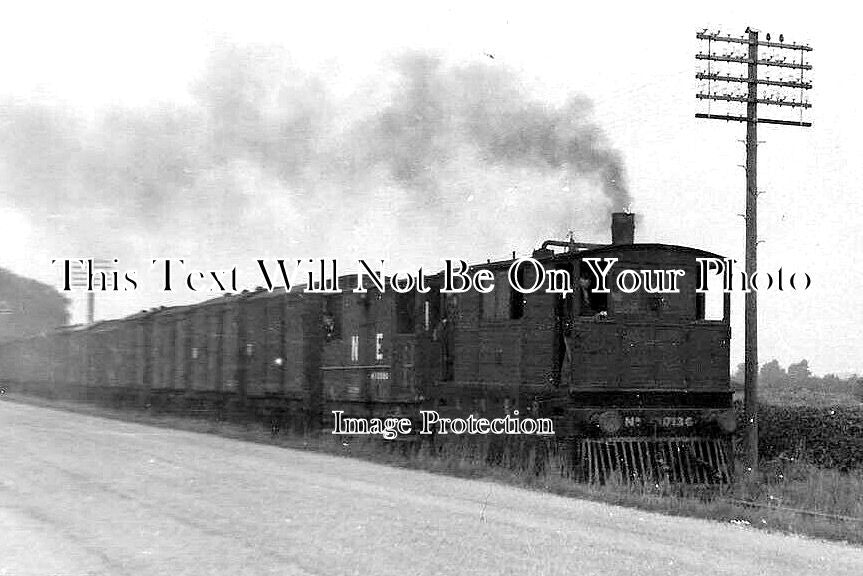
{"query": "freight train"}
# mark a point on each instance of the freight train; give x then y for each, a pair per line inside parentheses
(637, 383)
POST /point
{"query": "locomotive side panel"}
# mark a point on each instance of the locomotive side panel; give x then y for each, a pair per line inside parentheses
(648, 341)
(537, 358)
(502, 345)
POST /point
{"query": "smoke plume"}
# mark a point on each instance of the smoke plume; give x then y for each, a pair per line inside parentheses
(424, 161)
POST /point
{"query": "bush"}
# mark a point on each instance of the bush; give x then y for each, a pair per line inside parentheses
(827, 437)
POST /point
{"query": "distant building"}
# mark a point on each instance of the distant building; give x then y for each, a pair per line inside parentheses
(28, 307)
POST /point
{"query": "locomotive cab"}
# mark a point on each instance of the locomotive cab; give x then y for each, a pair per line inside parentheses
(636, 376)
(641, 371)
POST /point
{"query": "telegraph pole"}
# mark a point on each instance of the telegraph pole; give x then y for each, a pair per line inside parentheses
(778, 58)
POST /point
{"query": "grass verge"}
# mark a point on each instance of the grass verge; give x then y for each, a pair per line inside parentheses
(791, 495)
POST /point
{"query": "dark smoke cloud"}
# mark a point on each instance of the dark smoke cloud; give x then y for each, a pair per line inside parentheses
(434, 108)
(430, 159)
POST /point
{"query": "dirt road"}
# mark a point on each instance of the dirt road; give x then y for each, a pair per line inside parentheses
(83, 495)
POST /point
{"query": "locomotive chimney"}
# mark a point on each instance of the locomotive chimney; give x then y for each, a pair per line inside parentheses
(622, 228)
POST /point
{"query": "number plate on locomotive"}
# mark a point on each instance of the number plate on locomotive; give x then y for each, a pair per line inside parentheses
(662, 421)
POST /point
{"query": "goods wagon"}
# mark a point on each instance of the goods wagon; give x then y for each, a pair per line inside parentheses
(368, 358)
(278, 345)
(635, 381)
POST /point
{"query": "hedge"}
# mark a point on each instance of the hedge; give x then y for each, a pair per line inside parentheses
(827, 437)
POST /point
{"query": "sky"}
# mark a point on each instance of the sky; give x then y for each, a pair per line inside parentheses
(222, 134)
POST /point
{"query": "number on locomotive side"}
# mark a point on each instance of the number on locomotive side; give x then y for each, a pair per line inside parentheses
(677, 421)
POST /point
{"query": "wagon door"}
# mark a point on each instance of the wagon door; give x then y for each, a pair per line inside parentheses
(403, 370)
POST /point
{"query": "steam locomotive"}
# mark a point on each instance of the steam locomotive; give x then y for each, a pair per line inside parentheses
(636, 382)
